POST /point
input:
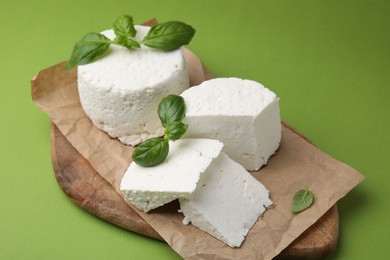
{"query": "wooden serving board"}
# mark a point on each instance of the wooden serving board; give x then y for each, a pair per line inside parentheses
(82, 184)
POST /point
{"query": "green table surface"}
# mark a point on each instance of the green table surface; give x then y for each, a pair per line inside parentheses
(329, 61)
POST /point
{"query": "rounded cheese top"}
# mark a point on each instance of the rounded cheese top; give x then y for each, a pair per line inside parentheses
(131, 69)
(227, 96)
(120, 91)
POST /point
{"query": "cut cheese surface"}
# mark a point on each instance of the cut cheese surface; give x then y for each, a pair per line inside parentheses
(242, 114)
(227, 201)
(120, 92)
(150, 187)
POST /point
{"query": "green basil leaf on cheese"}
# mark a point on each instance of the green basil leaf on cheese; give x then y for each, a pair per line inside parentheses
(91, 46)
(129, 43)
(175, 130)
(125, 31)
(124, 26)
(151, 152)
(171, 109)
(302, 200)
(165, 36)
(169, 35)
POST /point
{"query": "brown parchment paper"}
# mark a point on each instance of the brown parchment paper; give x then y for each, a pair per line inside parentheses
(298, 164)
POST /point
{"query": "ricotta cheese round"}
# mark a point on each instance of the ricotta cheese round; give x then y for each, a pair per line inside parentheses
(242, 114)
(120, 92)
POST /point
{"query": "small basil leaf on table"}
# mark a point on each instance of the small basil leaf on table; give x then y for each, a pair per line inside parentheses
(171, 109)
(169, 35)
(302, 200)
(151, 152)
(175, 130)
(91, 46)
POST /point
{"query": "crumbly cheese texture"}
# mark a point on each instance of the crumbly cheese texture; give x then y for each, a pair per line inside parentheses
(120, 92)
(150, 187)
(227, 201)
(242, 114)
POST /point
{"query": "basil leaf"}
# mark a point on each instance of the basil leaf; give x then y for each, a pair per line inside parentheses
(126, 42)
(175, 130)
(124, 26)
(169, 36)
(171, 109)
(125, 31)
(88, 48)
(302, 200)
(151, 152)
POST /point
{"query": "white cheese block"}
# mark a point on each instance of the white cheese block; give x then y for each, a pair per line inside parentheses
(120, 92)
(150, 187)
(227, 201)
(242, 114)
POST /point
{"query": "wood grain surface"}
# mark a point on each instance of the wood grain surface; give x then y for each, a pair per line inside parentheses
(83, 185)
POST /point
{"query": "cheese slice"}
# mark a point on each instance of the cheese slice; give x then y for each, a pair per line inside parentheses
(227, 201)
(242, 114)
(120, 92)
(150, 187)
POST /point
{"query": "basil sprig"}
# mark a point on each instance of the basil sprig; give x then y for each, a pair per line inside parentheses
(125, 32)
(154, 151)
(302, 200)
(166, 36)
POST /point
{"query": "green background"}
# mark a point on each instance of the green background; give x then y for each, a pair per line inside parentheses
(329, 61)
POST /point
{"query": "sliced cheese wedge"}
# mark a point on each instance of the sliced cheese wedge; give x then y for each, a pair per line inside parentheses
(227, 201)
(242, 114)
(150, 187)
